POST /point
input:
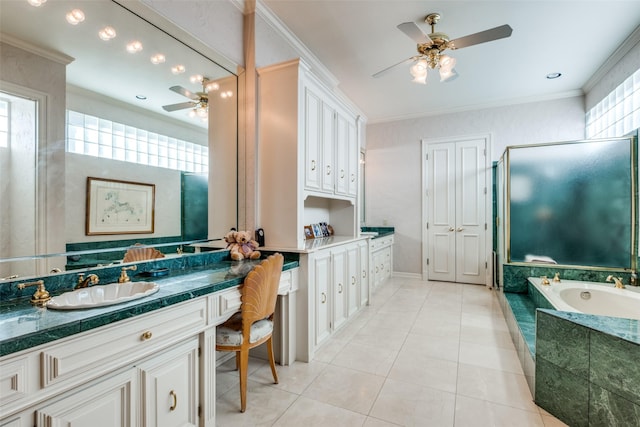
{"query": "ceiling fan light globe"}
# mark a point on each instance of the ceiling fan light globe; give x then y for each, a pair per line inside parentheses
(448, 75)
(447, 62)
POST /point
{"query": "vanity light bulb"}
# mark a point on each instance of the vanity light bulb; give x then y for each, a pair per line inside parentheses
(75, 17)
(178, 69)
(226, 94)
(107, 33)
(196, 78)
(134, 47)
(37, 3)
(158, 58)
(212, 86)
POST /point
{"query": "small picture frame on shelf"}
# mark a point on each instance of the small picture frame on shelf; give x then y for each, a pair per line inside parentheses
(330, 229)
(325, 231)
(317, 231)
(308, 232)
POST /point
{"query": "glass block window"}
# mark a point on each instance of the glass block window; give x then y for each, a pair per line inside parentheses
(98, 137)
(619, 113)
(4, 123)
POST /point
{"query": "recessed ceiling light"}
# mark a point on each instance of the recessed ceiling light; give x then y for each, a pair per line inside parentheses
(178, 69)
(134, 47)
(141, 97)
(75, 17)
(158, 58)
(36, 3)
(552, 76)
(107, 33)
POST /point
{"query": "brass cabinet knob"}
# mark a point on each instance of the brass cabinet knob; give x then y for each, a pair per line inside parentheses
(174, 396)
(146, 335)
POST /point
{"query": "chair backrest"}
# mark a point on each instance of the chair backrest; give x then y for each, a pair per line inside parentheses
(260, 291)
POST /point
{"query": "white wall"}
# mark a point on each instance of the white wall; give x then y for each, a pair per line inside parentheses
(393, 159)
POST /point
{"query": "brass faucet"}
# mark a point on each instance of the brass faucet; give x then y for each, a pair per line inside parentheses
(545, 281)
(40, 296)
(616, 280)
(91, 279)
(556, 278)
(123, 274)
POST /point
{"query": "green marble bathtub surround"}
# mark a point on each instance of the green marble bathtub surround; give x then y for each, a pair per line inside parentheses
(609, 409)
(562, 393)
(612, 362)
(565, 344)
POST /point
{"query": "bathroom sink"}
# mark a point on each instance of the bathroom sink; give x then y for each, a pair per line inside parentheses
(102, 295)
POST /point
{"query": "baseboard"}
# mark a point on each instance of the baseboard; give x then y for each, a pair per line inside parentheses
(402, 275)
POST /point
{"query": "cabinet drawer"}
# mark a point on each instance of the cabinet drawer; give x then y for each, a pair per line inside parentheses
(13, 380)
(229, 302)
(113, 345)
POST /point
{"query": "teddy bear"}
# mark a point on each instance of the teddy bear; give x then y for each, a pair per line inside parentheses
(233, 246)
(246, 246)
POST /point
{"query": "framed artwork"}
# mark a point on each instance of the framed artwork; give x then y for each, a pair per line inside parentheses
(308, 232)
(323, 227)
(317, 231)
(119, 207)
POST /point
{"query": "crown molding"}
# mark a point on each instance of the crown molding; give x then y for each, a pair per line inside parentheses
(51, 55)
(629, 43)
(477, 107)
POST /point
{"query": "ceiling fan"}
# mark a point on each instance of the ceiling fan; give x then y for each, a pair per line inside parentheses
(431, 47)
(199, 100)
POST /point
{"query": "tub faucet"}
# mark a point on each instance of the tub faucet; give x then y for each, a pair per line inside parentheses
(616, 280)
(91, 279)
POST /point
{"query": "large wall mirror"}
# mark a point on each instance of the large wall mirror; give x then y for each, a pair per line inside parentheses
(113, 92)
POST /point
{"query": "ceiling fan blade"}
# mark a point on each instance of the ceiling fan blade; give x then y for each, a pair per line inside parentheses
(481, 37)
(180, 106)
(414, 32)
(185, 92)
(386, 70)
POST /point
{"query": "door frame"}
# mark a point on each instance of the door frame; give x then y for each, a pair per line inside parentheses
(426, 142)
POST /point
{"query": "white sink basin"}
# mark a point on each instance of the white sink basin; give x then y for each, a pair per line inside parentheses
(102, 295)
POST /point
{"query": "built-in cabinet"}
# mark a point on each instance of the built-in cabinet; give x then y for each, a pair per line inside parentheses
(381, 260)
(338, 287)
(308, 156)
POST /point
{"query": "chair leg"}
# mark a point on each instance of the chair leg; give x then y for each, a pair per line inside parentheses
(237, 360)
(272, 360)
(244, 366)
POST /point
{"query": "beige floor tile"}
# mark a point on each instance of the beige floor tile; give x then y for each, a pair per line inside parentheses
(446, 348)
(380, 337)
(551, 421)
(345, 388)
(417, 368)
(490, 356)
(490, 337)
(472, 412)
(225, 381)
(329, 350)
(435, 328)
(500, 387)
(374, 359)
(493, 321)
(402, 322)
(265, 404)
(374, 422)
(414, 405)
(294, 378)
(312, 413)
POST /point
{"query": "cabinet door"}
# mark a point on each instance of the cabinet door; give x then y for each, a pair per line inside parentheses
(327, 149)
(313, 142)
(353, 279)
(363, 262)
(105, 403)
(340, 290)
(322, 280)
(342, 154)
(169, 387)
(353, 159)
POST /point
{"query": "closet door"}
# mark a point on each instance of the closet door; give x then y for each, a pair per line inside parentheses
(456, 230)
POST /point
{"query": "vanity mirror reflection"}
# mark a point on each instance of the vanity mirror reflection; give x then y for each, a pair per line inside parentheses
(150, 105)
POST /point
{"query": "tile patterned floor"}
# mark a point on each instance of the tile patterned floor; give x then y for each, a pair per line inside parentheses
(421, 354)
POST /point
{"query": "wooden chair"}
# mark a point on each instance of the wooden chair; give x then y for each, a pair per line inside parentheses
(254, 320)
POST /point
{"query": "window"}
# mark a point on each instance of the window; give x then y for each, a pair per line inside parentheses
(618, 113)
(4, 123)
(98, 137)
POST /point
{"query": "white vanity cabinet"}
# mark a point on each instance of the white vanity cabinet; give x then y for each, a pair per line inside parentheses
(381, 260)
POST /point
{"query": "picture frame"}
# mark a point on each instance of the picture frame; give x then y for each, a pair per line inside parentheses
(323, 227)
(308, 232)
(119, 207)
(317, 231)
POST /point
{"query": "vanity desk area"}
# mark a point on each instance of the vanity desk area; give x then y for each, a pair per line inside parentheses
(146, 362)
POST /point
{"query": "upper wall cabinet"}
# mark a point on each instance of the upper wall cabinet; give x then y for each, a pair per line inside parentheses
(308, 148)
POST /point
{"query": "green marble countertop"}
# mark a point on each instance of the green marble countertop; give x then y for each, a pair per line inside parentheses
(382, 231)
(23, 326)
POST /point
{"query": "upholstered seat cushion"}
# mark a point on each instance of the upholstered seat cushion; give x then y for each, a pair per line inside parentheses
(230, 332)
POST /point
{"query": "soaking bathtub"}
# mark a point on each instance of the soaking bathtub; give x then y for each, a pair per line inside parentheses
(602, 299)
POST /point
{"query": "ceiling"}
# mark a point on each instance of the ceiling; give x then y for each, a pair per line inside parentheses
(356, 38)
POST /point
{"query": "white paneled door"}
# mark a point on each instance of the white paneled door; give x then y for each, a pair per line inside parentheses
(456, 201)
